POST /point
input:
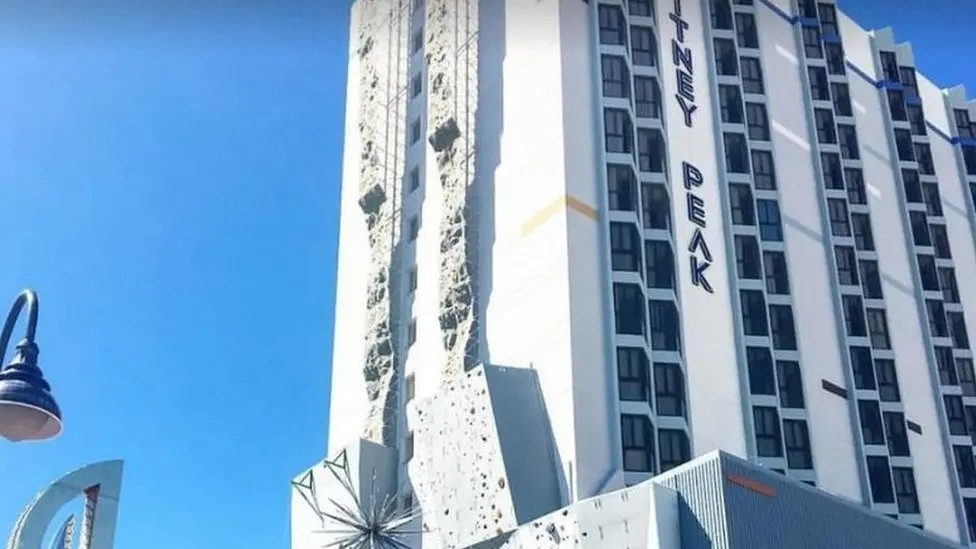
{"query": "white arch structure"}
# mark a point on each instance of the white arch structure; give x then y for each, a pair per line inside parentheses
(99, 483)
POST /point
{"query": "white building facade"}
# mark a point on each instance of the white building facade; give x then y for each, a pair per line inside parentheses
(735, 225)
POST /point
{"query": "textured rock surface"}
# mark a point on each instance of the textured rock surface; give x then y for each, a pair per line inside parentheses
(381, 37)
(452, 69)
(482, 457)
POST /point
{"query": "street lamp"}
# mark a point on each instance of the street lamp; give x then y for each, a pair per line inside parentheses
(27, 408)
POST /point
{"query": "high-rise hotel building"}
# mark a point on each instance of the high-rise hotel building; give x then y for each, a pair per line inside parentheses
(743, 225)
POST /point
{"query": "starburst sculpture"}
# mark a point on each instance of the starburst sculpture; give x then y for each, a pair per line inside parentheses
(372, 523)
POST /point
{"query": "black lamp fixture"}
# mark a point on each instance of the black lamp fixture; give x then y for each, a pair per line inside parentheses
(28, 411)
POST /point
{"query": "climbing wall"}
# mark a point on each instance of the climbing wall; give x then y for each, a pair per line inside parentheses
(382, 43)
(452, 69)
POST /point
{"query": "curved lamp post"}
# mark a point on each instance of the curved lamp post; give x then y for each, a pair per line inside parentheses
(27, 409)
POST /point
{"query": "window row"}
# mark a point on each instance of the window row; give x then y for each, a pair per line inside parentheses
(614, 30)
(883, 428)
(780, 325)
(628, 254)
(633, 382)
(662, 315)
(728, 63)
(617, 83)
(655, 203)
(638, 442)
(772, 437)
(892, 484)
(750, 264)
(748, 212)
(767, 375)
(874, 374)
(619, 138)
(854, 272)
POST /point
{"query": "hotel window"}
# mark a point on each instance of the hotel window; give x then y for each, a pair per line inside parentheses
(970, 506)
(770, 228)
(616, 77)
(811, 42)
(842, 99)
(970, 412)
(808, 8)
(408, 450)
(637, 436)
(790, 384)
(752, 76)
(632, 377)
(889, 66)
(917, 119)
(647, 97)
(641, 8)
(618, 131)
(933, 201)
(736, 153)
(721, 14)
(887, 380)
(969, 159)
(413, 279)
(730, 101)
(758, 121)
(920, 228)
(414, 228)
(854, 178)
(675, 448)
(955, 415)
(625, 252)
(828, 19)
(650, 150)
(412, 332)
(878, 328)
(797, 440)
(913, 188)
(414, 179)
(862, 367)
(753, 313)
(416, 85)
(628, 308)
(847, 136)
(967, 379)
(837, 212)
(740, 200)
(928, 273)
(824, 119)
(768, 443)
(833, 173)
(937, 319)
(643, 47)
(965, 466)
(940, 240)
(923, 154)
(621, 188)
(854, 316)
(846, 265)
(908, 81)
(880, 480)
(665, 333)
(957, 325)
(763, 173)
(863, 237)
(418, 41)
(896, 433)
(415, 132)
(945, 365)
(656, 206)
(409, 388)
(903, 144)
(835, 58)
(963, 126)
(762, 380)
(747, 259)
(947, 280)
(613, 29)
(896, 105)
(870, 279)
(660, 264)
(777, 279)
(905, 490)
(746, 33)
(819, 85)
(782, 327)
(669, 388)
(725, 61)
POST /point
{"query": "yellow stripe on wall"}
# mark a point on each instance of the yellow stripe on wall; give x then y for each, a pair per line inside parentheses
(558, 205)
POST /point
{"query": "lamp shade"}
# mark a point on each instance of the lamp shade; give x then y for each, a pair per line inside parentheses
(27, 408)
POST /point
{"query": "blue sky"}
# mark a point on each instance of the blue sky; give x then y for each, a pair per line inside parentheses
(169, 178)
